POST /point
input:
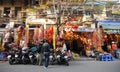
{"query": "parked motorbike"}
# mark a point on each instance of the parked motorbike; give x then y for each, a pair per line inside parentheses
(18, 57)
(33, 58)
(25, 56)
(11, 57)
(62, 58)
(52, 59)
(14, 56)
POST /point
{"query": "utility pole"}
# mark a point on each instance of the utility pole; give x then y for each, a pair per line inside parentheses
(58, 16)
(83, 4)
(92, 15)
(92, 8)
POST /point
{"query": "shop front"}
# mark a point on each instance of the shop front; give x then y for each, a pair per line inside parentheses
(79, 40)
(112, 31)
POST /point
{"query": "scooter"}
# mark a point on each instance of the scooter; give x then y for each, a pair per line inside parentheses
(25, 56)
(52, 59)
(62, 58)
(18, 57)
(33, 58)
(11, 57)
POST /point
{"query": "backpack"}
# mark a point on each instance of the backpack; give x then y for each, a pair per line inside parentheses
(46, 47)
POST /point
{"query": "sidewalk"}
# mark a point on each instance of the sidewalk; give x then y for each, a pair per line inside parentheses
(83, 58)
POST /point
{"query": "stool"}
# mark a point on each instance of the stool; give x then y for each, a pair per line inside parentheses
(3, 56)
(107, 57)
(103, 58)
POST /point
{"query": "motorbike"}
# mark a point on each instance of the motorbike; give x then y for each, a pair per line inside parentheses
(11, 57)
(52, 59)
(62, 58)
(33, 58)
(25, 56)
(14, 56)
(33, 55)
(18, 57)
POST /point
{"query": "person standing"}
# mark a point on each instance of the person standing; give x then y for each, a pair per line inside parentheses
(46, 53)
(39, 50)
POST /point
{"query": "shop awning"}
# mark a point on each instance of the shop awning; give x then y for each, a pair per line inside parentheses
(95, 3)
(85, 30)
(110, 24)
(41, 21)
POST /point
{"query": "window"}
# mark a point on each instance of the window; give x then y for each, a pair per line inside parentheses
(6, 11)
(2, 25)
(16, 10)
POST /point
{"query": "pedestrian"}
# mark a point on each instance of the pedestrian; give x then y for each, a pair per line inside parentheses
(46, 53)
(115, 49)
(7, 46)
(39, 50)
(64, 47)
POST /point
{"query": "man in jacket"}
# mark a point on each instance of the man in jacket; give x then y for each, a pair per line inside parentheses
(46, 52)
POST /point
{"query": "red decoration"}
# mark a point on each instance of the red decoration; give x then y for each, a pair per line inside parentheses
(68, 23)
(105, 36)
(75, 27)
(72, 19)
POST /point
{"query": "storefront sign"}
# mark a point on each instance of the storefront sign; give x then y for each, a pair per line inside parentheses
(112, 31)
(85, 30)
(79, 29)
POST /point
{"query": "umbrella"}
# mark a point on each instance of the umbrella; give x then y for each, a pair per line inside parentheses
(41, 21)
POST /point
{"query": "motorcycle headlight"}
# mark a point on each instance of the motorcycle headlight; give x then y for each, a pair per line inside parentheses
(50, 56)
(30, 56)
(8, 56)
(58, 56)
(16, 55)
(65, 56)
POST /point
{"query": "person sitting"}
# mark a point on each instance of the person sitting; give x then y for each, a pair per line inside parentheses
(115, 49)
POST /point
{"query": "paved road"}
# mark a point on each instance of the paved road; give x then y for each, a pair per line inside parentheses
(75, 66)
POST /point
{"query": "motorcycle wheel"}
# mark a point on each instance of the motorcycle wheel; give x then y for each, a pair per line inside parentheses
(10, 62)
(34, 61)
(67, 64)
(24, 62)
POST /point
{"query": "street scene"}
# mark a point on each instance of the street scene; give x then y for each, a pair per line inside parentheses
(59, 35)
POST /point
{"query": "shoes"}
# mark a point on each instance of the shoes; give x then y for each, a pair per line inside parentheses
(45, 67)
(40, 65)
